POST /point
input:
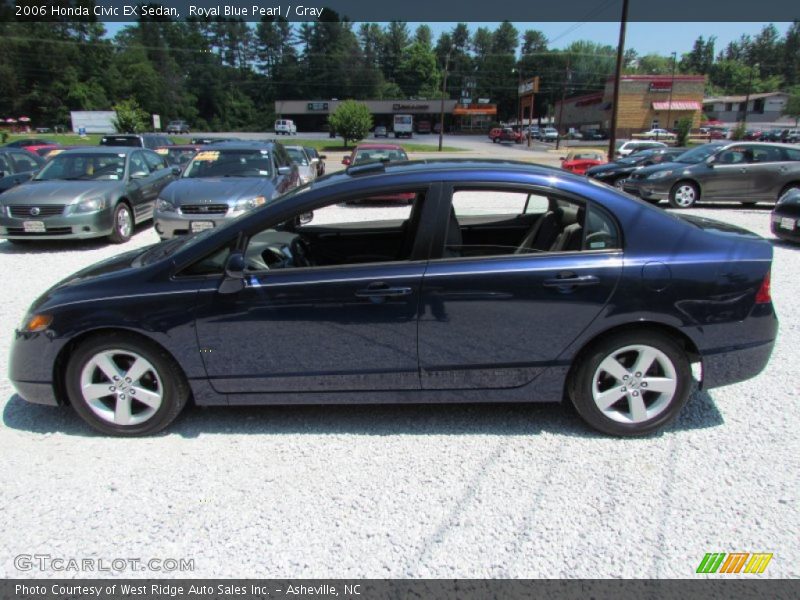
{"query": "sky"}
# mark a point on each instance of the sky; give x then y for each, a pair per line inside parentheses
(645, 38)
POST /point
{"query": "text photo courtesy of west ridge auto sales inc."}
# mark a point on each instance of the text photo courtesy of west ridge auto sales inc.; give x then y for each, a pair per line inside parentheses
(389, 301)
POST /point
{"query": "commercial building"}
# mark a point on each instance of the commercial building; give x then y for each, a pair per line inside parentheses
(645, 102)
(761, 108)
(312, 115)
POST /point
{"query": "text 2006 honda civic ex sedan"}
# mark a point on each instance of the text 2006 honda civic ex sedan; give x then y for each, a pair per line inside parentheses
(499, 282)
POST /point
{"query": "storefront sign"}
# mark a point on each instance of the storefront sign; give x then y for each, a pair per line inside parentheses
(317, 106)
(660, 86)
(409, 107)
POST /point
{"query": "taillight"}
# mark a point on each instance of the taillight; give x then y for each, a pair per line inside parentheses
(763, 296)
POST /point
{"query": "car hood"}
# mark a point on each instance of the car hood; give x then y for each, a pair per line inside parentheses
(666, 166)
(216, 189)
(57, 191)
(75, 286)
(611, 168)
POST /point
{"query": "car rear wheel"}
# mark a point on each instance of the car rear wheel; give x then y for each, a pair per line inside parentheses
(122, 224)
(125, 386)
(631, 383)
(619, 182)
(683, 194)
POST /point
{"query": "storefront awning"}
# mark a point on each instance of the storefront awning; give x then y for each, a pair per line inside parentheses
(487, 109)
(676, 105)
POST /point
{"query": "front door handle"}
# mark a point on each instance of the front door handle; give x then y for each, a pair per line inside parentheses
(381, 290)
(571, 280)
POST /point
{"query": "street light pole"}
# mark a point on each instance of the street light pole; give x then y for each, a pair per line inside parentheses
(444, 91)
(567, 77)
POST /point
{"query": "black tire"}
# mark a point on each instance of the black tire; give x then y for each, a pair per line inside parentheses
(678, 197)
(18, 242)
(617, 181)
(581, 383)
(119, 233)
(175, 389)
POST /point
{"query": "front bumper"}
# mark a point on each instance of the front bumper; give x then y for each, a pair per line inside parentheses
(171, 224)
(32, 365)
(647, 189)
(63, 227)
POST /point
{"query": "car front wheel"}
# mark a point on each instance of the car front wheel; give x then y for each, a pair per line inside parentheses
(683, 194)
(631, 383)
(122, 385)
(122, 224)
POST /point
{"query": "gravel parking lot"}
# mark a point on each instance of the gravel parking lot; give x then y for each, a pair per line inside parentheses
(406, 491)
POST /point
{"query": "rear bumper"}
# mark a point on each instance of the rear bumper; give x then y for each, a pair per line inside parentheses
(782, 232)
(735, 365)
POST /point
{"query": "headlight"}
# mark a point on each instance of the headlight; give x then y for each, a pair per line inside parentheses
(249, 204)
(35, 323)
(164, 206)
(660, 175)
(90, 205)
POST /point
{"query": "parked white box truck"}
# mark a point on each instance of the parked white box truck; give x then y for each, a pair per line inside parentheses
(403, 126)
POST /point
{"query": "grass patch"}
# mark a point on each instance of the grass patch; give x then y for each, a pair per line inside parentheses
(332, 146)
(73, 139)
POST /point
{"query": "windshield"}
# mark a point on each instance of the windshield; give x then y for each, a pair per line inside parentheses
(386, 154)
(230, 163)
(698, 154)
(122, 140)
(297, 156)
(84, 166)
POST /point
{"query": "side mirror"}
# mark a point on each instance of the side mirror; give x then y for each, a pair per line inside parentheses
(346, 161)
(284, 170)
(711, 160)
(323, 157)
(306, 217)
(176, 171)
(563, 158)
(138, 175)
(2, 174)
(234, 274)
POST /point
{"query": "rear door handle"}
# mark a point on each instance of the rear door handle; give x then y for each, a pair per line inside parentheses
(381, 290)
(571, 281)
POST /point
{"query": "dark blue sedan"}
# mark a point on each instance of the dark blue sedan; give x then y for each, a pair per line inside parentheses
(500, 281)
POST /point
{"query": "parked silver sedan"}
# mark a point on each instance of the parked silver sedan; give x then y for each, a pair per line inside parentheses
(86, 193)
(306, 168)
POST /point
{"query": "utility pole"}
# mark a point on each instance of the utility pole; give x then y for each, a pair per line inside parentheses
(568, 77)
(749, 88)
(671, 87)
(612, 138)
(444, 91)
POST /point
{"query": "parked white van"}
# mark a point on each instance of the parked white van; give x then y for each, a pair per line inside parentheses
(285, 127)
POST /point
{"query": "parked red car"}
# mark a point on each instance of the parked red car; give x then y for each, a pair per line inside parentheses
(505, 134)
(580, 160)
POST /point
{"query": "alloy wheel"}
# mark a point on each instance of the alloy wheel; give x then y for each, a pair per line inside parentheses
(634, 384)
(121, 387)
(685, 195)
(124, 223)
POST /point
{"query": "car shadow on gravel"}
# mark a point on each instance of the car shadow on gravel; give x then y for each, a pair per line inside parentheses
(778, 243)
(362, 419)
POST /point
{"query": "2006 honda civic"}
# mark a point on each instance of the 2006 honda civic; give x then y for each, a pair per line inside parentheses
(501, 281)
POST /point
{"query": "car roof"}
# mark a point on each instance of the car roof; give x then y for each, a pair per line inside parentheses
(241, 145)
(378, 147)
(180, 147)
(101, 150)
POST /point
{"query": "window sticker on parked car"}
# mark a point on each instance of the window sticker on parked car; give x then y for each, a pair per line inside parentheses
(162, 151)
(207, 155)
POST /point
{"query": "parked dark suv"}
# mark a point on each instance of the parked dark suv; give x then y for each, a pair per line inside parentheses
(151, 141)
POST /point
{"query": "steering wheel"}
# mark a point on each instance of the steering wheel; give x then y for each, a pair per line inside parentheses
(301, 251)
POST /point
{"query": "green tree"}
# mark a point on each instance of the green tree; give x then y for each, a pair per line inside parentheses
(351, 120)
(417, 74)
(682, 131)
(130, 117)
(792, 108)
